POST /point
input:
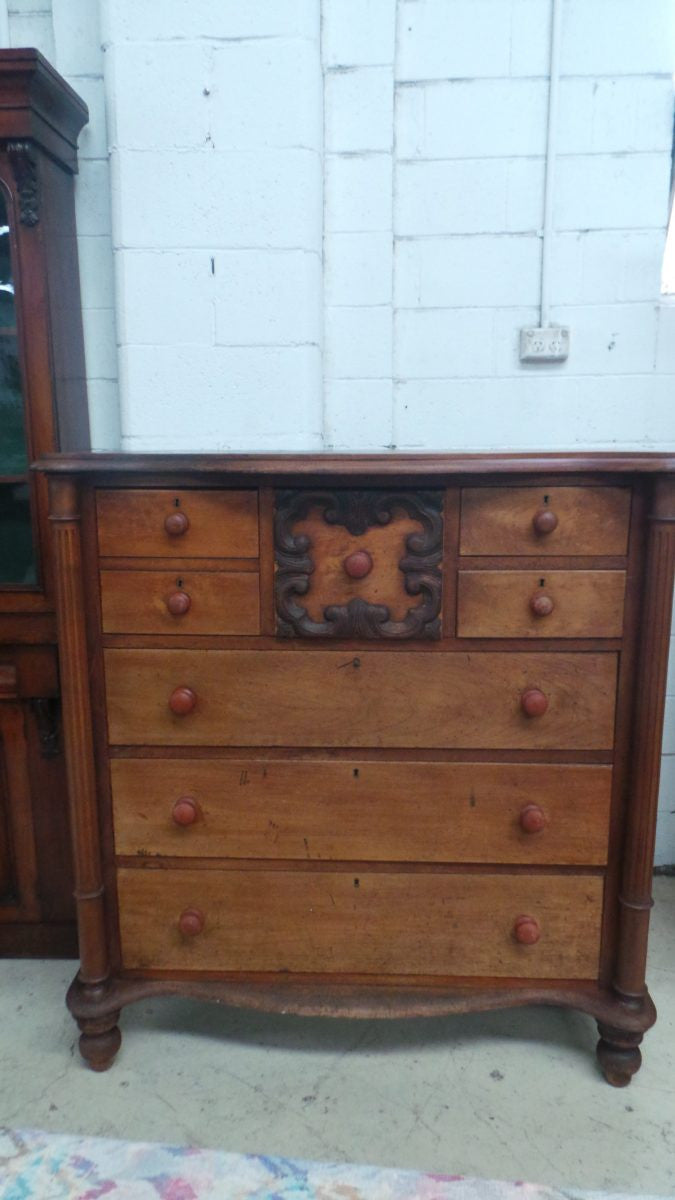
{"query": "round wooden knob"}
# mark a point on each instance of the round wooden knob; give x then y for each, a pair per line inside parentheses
(358, 565)
(533, 703)
(191, 922)
(544, 521)
(532, 818)
(541, 605)
(176, 523)
(185, 811)
(182, 700)
(178, 603)
(526, 930)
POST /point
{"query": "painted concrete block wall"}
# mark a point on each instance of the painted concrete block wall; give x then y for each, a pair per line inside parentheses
(216, 132)
(464, 160)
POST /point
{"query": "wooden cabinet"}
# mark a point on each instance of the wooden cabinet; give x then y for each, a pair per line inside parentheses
(353, 736)
(42, 407)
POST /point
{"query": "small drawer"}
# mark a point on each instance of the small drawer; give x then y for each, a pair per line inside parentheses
(359, 564)
(160, 523)
(548, 604)
(198, 602)
(556, 520)
(328, 810)
(373, 923)
(492, 701)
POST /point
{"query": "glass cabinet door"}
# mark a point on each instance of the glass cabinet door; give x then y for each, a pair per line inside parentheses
(17, 552)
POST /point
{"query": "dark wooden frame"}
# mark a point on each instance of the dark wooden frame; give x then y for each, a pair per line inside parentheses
(40, 118)
(619, 1000)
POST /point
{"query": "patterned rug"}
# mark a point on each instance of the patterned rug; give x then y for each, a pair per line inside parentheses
(45, 1166)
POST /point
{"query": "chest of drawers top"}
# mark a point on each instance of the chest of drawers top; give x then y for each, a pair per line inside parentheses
(371, 733)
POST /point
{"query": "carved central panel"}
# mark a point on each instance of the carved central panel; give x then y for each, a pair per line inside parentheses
(357, 559)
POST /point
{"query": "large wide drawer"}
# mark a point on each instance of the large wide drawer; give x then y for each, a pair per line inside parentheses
(197, 602)
(324, 809)
(333, 698)
(547, 604)
(132, 522)
(377, 923)
(588, 520)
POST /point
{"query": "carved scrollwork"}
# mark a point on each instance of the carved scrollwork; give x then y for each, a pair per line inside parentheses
(359, 511)
(24, 165)
(46, 710)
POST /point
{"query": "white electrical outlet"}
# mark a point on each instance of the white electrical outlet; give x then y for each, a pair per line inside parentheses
(544, 345)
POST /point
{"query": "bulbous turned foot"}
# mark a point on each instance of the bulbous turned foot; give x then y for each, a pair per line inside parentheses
(618, 1054)
(100, 1039)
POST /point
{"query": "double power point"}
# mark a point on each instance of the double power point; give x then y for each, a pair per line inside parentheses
(544, 345)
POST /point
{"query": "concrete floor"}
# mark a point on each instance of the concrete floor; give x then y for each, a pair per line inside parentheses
(510, 1095)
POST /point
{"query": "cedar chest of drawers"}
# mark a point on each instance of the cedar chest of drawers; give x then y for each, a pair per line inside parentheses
(364, 736)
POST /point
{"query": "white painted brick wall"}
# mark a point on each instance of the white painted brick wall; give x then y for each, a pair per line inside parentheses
(358, 49)
(266, 94)
(358, 265)
(216, 117)
(358, 33)
(448, 120)
(358, 193)
(460, 39)
(78, 56)
(484, 271)
(256, 298)
(359, 110)
(213, 20)
(490, 195)
(221, 398)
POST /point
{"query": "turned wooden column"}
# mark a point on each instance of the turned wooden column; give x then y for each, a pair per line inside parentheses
(77, 729)
(636, 884)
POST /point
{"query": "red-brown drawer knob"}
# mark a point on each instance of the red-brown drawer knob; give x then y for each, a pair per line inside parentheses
(176, 523)
(358, 565)
(178, 603)
(532, 818)
(191, 922)
(545, 521)
(526, 930)
(182, 700)
(533, 703)
(185, 811)
(541, 604)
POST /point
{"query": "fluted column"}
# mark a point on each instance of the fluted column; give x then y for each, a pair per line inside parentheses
(77, 728)
(636, 892)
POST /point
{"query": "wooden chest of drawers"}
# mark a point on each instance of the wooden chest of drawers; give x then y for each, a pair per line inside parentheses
(364, 736)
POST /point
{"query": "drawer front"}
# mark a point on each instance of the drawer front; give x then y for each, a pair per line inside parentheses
(359, 563)
(328, 698)
(362, 811)
(377, 923)
(219, 602)
(211, 524)
(588, 520)
(549, 604)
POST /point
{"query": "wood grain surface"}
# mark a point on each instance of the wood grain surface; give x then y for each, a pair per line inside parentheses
(331, 544)
(338, 698)
(497, 603)
(222, 524)
(318, 810)
(498, 520)
(221, 602)
(380, 923)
